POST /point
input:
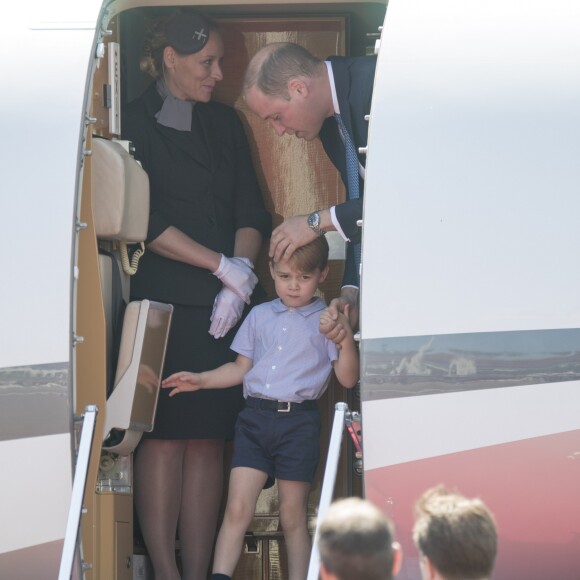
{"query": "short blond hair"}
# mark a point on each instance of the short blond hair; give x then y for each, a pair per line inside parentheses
(457, 534)
(310, 257)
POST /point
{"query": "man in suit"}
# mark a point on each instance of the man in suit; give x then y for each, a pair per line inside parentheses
(301, 95)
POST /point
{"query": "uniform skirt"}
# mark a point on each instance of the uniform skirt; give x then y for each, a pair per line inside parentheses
(208, 414)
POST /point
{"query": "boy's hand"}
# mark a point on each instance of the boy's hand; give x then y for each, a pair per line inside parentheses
(335, 325)
(182, 382)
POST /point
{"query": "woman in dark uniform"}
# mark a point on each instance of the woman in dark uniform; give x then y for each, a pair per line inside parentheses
(206, 227)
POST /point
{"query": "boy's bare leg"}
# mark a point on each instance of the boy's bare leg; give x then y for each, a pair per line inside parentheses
(293, 497)
(245, 487)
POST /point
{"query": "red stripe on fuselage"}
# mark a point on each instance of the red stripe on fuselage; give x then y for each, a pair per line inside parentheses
(532, 487)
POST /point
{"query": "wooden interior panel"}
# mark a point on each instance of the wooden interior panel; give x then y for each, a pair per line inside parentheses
(296, 176)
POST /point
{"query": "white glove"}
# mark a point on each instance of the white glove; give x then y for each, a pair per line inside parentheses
(227, 310)
(237, 275)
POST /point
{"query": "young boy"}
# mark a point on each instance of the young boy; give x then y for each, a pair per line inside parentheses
(285, 363)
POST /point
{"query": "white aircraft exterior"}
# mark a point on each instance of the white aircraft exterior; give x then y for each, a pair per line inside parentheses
(45, 74)
(470, 303)
(470, 291)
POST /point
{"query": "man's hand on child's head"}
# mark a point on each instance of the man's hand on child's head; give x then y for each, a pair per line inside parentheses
(182, 382)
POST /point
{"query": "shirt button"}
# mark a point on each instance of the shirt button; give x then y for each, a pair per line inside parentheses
(284, 329)
(268, 386)
(273, 367)
(279, 347)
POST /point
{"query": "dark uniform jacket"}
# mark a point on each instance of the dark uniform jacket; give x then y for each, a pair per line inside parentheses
(353, 80)
(203, 183)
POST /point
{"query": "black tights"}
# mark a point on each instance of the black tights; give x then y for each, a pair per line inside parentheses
(179, 483)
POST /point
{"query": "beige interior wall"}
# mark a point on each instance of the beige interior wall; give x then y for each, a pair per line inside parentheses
(107, 524)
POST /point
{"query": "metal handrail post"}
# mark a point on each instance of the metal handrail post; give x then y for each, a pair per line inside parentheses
(340, 410)
(76, 504)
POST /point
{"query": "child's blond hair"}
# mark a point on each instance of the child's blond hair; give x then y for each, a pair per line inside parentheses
(311, 256)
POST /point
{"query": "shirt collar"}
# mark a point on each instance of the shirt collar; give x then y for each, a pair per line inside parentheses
(316, 306)
(174, 113)
(332, 87)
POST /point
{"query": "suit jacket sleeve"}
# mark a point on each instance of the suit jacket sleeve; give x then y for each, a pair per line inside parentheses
(354, 80)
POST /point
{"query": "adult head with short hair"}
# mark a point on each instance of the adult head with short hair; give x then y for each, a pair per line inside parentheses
(355, 541)
(289, 87)
(456, 536)
(273, 66)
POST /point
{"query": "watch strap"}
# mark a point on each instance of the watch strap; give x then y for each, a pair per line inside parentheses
(313, 221)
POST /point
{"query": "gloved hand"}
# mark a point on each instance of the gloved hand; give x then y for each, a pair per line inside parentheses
(237, 275)
(227, 310)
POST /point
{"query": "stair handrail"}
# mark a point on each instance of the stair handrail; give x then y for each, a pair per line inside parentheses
(80, 477)
(328, 482)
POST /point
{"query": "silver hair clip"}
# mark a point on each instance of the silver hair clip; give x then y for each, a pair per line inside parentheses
(200, 34)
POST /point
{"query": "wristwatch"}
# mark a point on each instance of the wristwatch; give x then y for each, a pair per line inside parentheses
(313, 221)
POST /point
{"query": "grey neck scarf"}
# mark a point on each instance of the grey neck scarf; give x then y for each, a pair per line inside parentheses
(174, 113)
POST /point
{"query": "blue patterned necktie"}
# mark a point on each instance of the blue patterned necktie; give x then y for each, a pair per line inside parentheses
(351, 160)
(352, 177)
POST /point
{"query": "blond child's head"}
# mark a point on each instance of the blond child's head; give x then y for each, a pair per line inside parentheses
(298, 278)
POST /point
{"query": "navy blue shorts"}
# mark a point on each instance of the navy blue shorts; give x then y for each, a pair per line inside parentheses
(282, 445)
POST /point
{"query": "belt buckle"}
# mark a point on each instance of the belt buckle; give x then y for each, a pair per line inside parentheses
(284, 410)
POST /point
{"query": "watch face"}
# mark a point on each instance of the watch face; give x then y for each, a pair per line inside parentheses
(314, 219)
